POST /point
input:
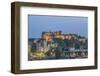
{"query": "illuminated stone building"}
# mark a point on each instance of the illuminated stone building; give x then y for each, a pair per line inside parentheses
(48, 36)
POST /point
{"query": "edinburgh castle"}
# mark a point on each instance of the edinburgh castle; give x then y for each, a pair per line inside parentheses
(48, 36)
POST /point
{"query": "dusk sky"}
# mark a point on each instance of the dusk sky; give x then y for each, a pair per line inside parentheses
(66, 24)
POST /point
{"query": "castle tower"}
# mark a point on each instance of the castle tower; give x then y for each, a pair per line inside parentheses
(47, 36)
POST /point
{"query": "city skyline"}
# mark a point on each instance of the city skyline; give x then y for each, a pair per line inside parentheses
(68, 24)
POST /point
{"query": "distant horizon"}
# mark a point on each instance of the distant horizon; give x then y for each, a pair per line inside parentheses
(68, 25)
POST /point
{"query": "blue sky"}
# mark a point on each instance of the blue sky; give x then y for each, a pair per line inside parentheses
(67, 24)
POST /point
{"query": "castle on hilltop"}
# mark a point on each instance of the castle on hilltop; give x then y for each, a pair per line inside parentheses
(48, 36)
(57, 45)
